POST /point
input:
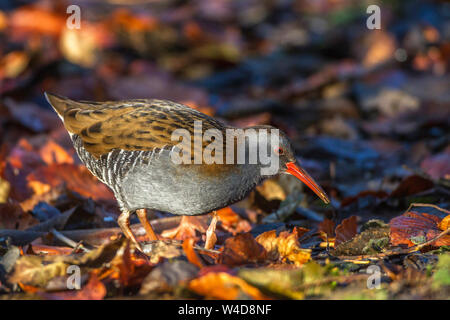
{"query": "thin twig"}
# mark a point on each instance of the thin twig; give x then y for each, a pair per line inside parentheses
(429, 205)
(69, 242)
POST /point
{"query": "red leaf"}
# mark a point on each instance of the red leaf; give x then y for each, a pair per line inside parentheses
(327, 226)
(416, 224)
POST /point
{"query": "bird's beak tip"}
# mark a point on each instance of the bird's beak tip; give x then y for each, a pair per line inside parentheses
(302, 175)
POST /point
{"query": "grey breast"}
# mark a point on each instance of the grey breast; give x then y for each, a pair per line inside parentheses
(149, 179)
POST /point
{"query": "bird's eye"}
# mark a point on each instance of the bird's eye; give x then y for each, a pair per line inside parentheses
(279, 151)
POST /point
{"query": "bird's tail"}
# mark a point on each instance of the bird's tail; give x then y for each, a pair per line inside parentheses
(62, 104)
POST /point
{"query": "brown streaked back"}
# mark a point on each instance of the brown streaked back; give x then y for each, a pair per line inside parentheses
(141, 124)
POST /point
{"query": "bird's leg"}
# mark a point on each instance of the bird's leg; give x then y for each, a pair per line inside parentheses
(124, 224)
(211, 237)
(142, 215)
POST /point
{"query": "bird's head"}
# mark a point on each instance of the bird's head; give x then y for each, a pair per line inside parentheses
(281, 148)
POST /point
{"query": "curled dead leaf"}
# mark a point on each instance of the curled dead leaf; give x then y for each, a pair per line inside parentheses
(285, 246)
(346, 230)
(241, 249)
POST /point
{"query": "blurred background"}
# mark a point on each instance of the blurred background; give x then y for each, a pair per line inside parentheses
(365, 109)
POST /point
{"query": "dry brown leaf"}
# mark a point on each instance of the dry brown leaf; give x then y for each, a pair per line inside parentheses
(346, 230)
(241, 249)
(285, 246)
(412, 185)
(224, 286)
(327, 226)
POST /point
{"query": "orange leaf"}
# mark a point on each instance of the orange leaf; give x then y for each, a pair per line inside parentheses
(445, 223)
(346, 230)
(241, 249)
(77, 178)
(223, 286)
(53, 153)
(232, 222)
(37, 20)
(188, 247)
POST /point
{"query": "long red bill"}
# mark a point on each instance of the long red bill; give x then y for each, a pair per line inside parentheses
(301, 174)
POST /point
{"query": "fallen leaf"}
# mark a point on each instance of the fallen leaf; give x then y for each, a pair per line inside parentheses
(327, 226)
(33, 19)
(53, 153)
(445, 223)
(412, 225)
(76, 177)
(412, 185)
(232, 222)
(282, 283)
(285, 246)
(224, 286)
(241, 249)
(30, 270)
(167, 276)
(346, 230)
(271, 190)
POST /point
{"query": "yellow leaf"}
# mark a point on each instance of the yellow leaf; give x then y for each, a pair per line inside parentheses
(284, 247)
(445, 223)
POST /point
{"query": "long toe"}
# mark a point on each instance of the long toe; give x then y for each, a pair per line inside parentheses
(124, 224)
(188, 228)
